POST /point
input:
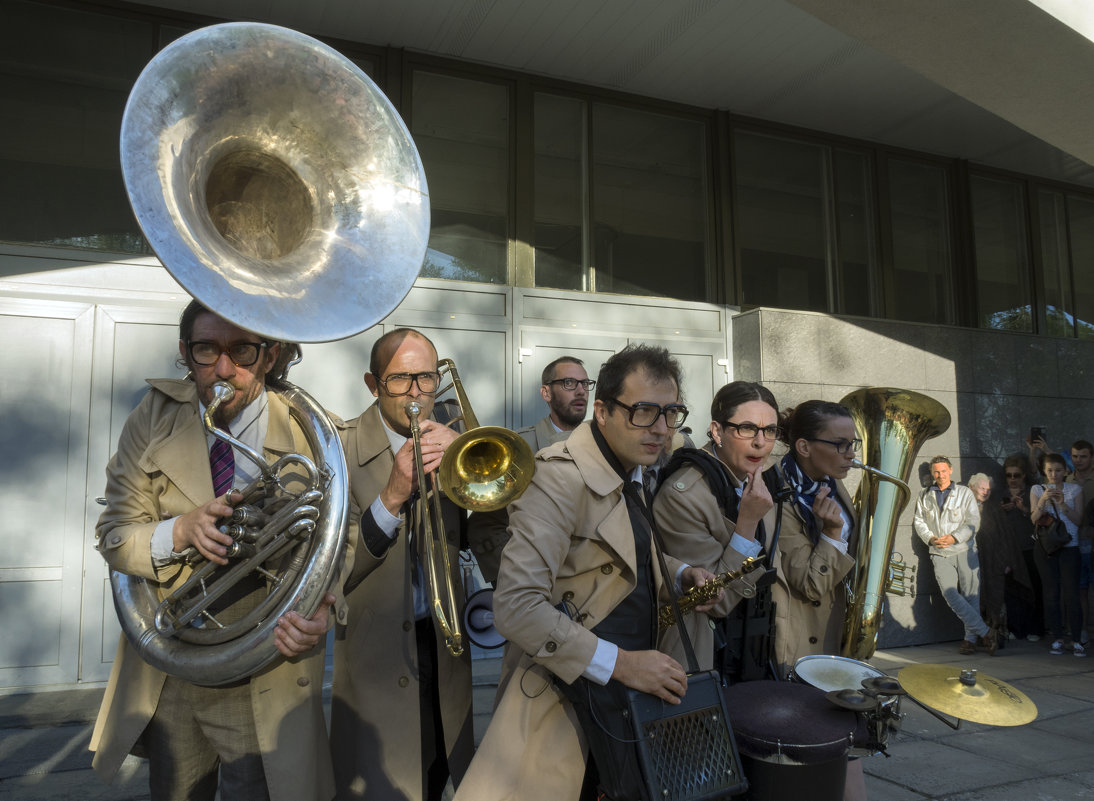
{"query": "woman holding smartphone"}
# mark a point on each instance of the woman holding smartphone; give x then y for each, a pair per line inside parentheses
(1059, 571)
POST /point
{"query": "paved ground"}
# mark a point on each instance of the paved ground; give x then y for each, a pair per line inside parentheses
(44, 737)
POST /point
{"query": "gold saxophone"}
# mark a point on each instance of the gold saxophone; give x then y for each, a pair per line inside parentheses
(697, 596)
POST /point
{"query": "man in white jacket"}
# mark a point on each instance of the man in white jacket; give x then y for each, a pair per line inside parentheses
(946, 518)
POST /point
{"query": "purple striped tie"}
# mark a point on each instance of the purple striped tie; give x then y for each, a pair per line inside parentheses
(223, 464)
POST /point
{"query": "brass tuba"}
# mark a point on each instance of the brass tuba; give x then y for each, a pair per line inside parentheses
(893, 425)
(279, 186)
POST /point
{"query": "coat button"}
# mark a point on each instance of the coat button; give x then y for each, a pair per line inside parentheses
(679, 485)
(567, 596)
(824, 568)
(403, 681)
(407, 625)
(812, 640)
(551, 646)
(816, 603)
(115, 539)
(606, 570)
(303, 681)
(747, 591)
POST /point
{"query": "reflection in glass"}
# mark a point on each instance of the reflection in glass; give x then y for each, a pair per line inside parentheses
(461, 128)
(922, 243)
(560, 196)
(1002, 261)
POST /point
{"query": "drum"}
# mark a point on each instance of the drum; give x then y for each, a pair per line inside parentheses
(838, 673)
(793, 742)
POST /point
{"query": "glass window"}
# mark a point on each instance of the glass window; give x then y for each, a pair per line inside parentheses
(855, 226)
(1055, 264)
(780, 193)
(560, 192)
(1081, 226)
(461, 128)
(922, 244)
(1002, 255)
(650, 204)
(60, 113)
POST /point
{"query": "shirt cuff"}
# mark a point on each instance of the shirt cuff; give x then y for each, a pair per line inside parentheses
(385, 520)
(745, 546)
(603, 664)
(839, 545)
(163, 542)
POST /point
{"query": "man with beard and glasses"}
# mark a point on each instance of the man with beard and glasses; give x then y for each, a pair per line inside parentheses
(565, 389)
(167, 486)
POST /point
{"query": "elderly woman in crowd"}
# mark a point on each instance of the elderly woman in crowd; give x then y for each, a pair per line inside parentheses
(1002, 567)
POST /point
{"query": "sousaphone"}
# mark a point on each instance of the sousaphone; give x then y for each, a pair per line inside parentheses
(280, 188)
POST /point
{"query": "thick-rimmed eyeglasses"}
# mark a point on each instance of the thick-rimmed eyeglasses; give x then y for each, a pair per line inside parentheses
(750, 430)
(570, 384)
(843, 445)
(644, 415)
(399, 383)
(242, 354)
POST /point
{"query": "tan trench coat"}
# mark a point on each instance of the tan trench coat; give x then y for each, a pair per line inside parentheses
(697, 532)
(487, 532)
(571, 541)
(160, 471)
(375, 711)
(809, 593)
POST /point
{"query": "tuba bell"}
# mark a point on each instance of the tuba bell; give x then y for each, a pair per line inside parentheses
(280, 188)
(893, 424)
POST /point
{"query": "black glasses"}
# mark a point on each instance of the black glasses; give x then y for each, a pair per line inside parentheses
(750, 430)
(399, 383)
(644, 415)
(570, 384)
(242, 354)
(843, 445)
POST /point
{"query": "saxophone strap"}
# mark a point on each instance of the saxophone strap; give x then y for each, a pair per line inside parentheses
(670, 581)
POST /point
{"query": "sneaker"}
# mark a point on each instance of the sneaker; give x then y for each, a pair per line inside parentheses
(1078, 650)
(967, 648)
(1057, 647)
(1010, 635)
(1033, 637)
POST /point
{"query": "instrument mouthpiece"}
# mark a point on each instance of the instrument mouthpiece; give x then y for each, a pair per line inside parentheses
(857, 463)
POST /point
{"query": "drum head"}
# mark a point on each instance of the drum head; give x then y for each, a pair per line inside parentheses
(830, 673)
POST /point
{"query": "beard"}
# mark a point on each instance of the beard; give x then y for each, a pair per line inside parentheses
(568, 414)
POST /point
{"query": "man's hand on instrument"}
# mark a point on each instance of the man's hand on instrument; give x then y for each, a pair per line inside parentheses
(401, 482)
(295, 634)
(697, 577)
(198, 528)
(435, 440)
(651, 672)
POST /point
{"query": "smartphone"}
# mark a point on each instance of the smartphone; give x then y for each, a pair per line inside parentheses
(1036, 433)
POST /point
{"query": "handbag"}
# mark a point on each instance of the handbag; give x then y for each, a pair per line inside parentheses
(1051, 533)
(648, 750)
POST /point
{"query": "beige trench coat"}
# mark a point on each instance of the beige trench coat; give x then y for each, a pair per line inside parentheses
(809, 593)
(487, 532)
(571, 541)
(697, 532)
(375, 711)
(160, 471)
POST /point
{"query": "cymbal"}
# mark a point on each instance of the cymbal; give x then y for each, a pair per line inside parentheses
(968, 695)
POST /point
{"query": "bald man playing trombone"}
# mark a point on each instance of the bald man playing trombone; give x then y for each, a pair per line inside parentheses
(401, 710)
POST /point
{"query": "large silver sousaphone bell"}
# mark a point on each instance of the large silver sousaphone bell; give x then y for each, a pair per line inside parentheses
(279, 186)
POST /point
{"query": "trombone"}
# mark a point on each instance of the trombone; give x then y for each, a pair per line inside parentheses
(485, 468)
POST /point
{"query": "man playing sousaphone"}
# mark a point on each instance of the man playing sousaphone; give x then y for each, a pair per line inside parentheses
(401, 711)
(167, 486)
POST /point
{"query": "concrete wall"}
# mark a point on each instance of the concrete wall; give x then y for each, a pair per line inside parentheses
(994, 384)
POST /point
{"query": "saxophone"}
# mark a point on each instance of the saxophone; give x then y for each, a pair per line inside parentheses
(697, 596)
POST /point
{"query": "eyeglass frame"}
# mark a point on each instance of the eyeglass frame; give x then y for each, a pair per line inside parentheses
(588, 383)
(413, 382)
(259, 348)
(661, 411)
(842, 446)
(774, 431)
